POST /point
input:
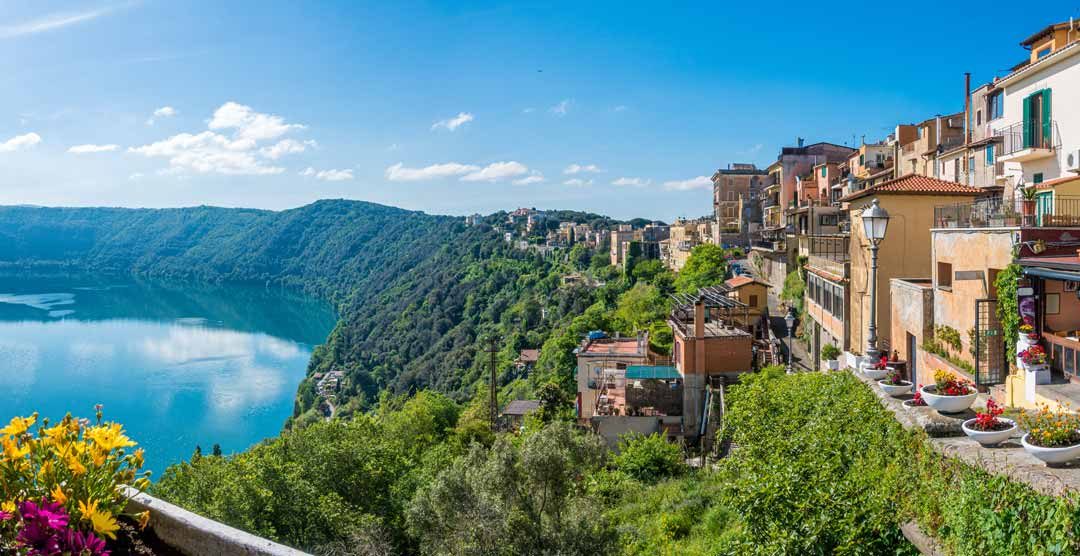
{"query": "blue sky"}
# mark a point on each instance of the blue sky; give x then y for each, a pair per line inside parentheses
(458, 107)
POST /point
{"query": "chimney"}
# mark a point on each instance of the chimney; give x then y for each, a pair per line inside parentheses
(967, 107)
(699, 318)
(799, 140)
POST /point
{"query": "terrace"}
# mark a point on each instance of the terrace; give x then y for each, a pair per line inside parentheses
(827, 252)
(1047, 211)
(1023, 143)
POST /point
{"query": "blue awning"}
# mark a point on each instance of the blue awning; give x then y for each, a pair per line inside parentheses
(1042, 272)
(656, 372)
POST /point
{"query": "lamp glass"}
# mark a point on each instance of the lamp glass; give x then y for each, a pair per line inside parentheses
(789, 320)
(875, 222)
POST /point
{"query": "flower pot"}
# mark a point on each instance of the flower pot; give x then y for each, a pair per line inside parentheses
(989, 438)
(1051, 455)
(832, 364)
(875, 374)
(1028, 207)
(895, 390)
(947, 404)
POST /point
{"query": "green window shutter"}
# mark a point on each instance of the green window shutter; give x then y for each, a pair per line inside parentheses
(990, 153)
(1047, 123)
(1027, 122)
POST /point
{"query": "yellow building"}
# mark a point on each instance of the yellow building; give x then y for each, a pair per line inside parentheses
(905, 251)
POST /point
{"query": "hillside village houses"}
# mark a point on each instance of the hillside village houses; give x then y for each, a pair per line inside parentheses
(969, 193)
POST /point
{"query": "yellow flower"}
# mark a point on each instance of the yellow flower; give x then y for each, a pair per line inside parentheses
(58, 495)
(8, 506)
(19, 425)
(76, 466)
(109, 437)
(103, 522)
(98, 456)
(143, 519)
(12, 450)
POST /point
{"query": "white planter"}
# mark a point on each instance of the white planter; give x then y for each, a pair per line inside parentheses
(1022, 342)
(832, 364)
(989, 438)
(947, 404)
(1036, 374)
(1051, 455)
(895, 390)
(875, 374)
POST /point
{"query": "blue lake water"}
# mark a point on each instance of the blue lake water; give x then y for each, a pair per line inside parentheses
(177, 365)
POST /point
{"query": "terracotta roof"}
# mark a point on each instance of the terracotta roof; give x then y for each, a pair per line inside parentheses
(1056, 181)
(529, 356)
(1044, 32)
(913, 184)
(740, 281)
(521, 407)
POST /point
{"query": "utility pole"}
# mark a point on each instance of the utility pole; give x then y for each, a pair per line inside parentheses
(493, 349)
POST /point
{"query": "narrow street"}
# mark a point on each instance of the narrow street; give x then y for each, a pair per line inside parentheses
(800, 358)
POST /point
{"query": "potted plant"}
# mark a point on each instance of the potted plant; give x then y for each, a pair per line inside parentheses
(1053, 436)
(1028, 202)
(949, 393)
(893, 384)
(831, 355)
(875, 369)
(988, 427)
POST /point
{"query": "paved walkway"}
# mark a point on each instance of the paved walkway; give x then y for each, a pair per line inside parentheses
(799, 357)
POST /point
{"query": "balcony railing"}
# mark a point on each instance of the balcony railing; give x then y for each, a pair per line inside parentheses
(1019, 137)
(1044, 212)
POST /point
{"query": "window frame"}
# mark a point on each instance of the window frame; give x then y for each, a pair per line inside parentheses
(946, 269)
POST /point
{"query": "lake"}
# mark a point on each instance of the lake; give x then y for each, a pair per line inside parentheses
(178, 365)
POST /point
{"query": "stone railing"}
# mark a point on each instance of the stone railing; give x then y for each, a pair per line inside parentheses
(195, 535)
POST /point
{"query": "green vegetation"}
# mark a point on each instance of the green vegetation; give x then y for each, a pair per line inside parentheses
(947, 345)
(707, 266)
(830, 352)
(1007, 309)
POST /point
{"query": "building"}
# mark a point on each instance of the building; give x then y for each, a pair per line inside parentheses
(827, 287)
(905, 251)
(628, 244)
(918, 152)
(619, 238)
(684, 235)
(736, 205)
(710, 346)
(754, 294)
(512, 417)
(527, 359)
(601, 360)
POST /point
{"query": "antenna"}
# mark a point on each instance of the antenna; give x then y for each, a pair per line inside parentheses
(492, 350)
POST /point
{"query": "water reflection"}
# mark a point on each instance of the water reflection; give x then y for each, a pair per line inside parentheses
(179, 368)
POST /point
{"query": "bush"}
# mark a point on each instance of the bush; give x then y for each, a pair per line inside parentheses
(830, 352)
(649, 458)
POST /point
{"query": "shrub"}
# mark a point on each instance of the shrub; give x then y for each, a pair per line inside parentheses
(649, 458)
(830, 352)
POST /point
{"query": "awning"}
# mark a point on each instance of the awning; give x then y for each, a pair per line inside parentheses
(1042, 272)
(655, 372)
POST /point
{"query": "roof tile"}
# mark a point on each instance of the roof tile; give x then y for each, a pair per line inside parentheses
(913, 184)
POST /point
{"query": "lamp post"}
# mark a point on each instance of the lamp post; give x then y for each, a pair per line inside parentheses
(875, 220)
(789, 320)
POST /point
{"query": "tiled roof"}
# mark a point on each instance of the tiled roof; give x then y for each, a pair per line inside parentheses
(913, 184)
(742, 281)
(521, 407)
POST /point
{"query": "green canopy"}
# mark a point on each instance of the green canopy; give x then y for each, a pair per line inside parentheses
(660, 372)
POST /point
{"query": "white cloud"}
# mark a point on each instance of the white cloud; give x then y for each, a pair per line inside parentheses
(578, 169)
(700, 182)
(286, 146)
(88, 149)
(453, 123)
(20, 142)
(528, 110)
(239, 154)
(51, 22)
(619, 108)
(161, 113)
(562, 108)
(399, 172)
(631, 182)
(578, 182)
(533, 177)
(328, 175)
(497, 171)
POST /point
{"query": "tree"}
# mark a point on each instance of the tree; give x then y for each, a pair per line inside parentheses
(217, 449)
(649, 458)
(707, 266)
(553, 401)
(640, 306)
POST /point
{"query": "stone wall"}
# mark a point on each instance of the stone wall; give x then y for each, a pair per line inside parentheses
(657, 394)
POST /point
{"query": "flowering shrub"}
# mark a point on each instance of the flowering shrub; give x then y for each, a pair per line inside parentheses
(894, 378)
(60, 485)
(948, 384)
(987, 421)
(1026, 328)
(1034, 355)
(1051, 429)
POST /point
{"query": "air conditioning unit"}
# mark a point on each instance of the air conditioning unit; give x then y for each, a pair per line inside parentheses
(1072, 161)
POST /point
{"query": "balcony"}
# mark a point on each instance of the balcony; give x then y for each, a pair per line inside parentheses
(827, 252)
(1022, 143)
(1047, 212)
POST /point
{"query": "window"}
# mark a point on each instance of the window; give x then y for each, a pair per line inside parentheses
(994, 106)
(1043, 53)
(971, 169)
(753, 301)
(838, 303)
(823, 171)
(1053, 303)
(1037, 178)
(989, 155)
(1037, 120)
(944, 275)
(827, 297)
(920, 133)
(978, 117)
(862, 159)
(731, 195)
(828, 220)
(956, 169)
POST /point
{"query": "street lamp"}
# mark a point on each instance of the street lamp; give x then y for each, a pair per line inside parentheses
(789, 320)
(875, 220)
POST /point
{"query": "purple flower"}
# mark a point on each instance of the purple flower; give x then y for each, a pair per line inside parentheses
(84, 544)
(49, 514)
(4, 516)
(42, 524)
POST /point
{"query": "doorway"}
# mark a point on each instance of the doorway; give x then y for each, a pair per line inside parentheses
(912, 365)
